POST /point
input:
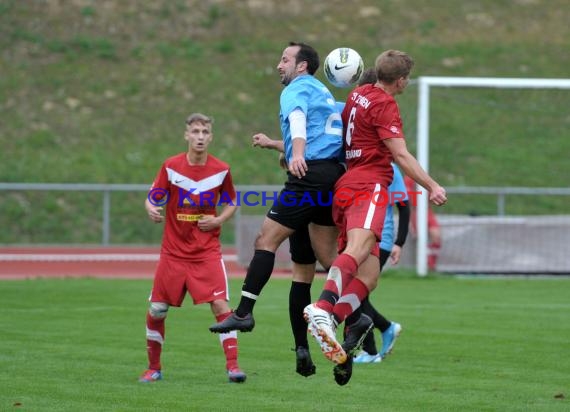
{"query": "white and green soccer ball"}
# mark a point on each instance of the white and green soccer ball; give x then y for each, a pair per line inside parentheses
(343, 67)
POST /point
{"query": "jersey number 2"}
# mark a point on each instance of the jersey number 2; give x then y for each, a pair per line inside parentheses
(334, 130)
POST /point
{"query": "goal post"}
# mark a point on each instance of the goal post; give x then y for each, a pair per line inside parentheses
(425, 84)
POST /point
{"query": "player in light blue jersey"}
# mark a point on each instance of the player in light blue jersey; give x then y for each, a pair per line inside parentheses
(308, 95)
(312, 142)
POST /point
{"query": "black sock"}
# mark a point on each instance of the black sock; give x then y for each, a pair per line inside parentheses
(329, 296)
(299, 297)
(384, 255)
(352, 318)
(258, 273)
(380, 321)
(369, 344)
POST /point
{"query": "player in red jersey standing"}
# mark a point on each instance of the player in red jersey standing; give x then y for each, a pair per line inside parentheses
(190, 185)
(373, 137)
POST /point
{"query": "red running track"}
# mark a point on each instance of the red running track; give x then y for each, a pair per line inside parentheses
(102, 262)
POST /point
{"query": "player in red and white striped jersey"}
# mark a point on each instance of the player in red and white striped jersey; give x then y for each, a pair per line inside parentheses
(188, 188)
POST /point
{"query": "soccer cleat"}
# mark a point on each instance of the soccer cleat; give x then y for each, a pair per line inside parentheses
(389, 338)
(150, 375)
(305, 365)
(236, 375)
(365, 357)
(343, 372)
(355, 334)
(234, 322)
(323, 328)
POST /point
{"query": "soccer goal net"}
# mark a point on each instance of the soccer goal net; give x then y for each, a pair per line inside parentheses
(501, 147)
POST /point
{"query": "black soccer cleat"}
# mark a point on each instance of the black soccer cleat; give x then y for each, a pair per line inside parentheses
(343, 372)
(355, 334)
(234, 322)
(305, 365)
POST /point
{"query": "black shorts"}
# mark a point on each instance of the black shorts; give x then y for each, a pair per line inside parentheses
(308, 200)
(300, 247)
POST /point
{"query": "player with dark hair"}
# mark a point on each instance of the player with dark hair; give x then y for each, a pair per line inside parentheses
(311, 129)
(304, 264)
(190, 256)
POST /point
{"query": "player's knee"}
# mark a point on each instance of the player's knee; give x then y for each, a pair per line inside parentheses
(271, 235)
(262, 242)
(303, 273)
(158, 310)
(369, 282)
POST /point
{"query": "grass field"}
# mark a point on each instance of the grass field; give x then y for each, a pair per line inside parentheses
(468, 345)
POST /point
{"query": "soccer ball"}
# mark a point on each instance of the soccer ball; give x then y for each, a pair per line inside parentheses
(343, 67)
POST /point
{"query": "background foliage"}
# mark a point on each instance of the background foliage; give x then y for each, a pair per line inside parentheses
(97, 91)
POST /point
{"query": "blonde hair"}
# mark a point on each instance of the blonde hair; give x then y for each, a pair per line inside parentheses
(199, 117)
(392, 65)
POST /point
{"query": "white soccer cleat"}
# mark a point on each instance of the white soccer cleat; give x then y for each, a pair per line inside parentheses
(323, 328)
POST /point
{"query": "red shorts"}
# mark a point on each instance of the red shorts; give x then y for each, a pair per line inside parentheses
(205, 281)
(365, 210)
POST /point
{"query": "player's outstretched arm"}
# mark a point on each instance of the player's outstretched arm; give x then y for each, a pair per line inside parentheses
(263, 141)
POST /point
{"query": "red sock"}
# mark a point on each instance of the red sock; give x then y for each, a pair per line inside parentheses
(229, 344)
(340, 274)
(154, 341)
(350, 300)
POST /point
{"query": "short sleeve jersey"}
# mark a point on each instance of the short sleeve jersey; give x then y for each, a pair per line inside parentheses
(370, 116)
(193, 191)
(324, 125)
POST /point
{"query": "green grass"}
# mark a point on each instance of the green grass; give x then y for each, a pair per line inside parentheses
(468, 345)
